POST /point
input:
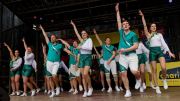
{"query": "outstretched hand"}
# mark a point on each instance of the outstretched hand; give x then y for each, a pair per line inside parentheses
(140, 13)
(171, 55)
(5, 44)
(40, 26)
(23, 40)
(72, 23)
(117, 7)
(94, 31)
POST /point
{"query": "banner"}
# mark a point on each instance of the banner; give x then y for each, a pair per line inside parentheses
(172, 76)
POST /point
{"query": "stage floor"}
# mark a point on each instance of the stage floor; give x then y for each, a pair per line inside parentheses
(172, 94)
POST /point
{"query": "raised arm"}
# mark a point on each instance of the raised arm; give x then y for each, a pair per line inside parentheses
(97, 37)
(97, 52)
(10, 51)
(64, 42)
(118, 16)
(44, 33)
(76, 31)
(148, 35)
(25, 45)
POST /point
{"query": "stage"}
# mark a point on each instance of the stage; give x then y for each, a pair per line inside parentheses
(172, 94)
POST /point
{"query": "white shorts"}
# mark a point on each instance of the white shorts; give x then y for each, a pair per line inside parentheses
(147, 67)
(73, 70)
(130, 61)
(111, 67)
(52, 67)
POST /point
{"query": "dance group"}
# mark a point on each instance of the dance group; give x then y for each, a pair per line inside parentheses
(131, 53)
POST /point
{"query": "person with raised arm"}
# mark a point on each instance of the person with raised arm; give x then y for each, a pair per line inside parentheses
(127, 48)
(74, 72)
(101, 67)
(109, 61)
(27, 69)
(85, 59)
(53, 59)
(15, 65)
(156, 46)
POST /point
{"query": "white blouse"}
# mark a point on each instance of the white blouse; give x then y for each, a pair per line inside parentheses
(142, 49)
(28, 58)
(87, 47)
(158, 41)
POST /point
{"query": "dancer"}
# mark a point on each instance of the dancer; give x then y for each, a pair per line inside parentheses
(15, 65)
(85, 61)
(101, 67)
(128, 57)
(53, 59)
(74, 72)
(27, 69)
(109, 61)
(141, 51)
(156, 41)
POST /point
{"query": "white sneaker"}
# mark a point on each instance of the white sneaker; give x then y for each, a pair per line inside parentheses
(75, 92)
(121, 88)
(24, 94)
(80, 88)
(128, 93)
(57, 91)
(141, 90)
(12, 94)
(138, 84)
(61, 89)
(17, 93)
(152, 86)
(158, 91)
(45, 91)
(38, 90)
(103, 89)
(33, 92)
(71, 90)
(117, 89)
(48, 92)
(165, 84)
(109, 90)
(52, 94)
(90, 92)
(144, 85)
(85, 94)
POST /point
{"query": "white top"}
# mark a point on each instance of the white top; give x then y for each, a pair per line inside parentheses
(87, 47)
(158, 41)
(142, 49)
(101, 61)
(34, 64)
(62, 65)
(28, 58)
(17, 63)
(117, 58)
